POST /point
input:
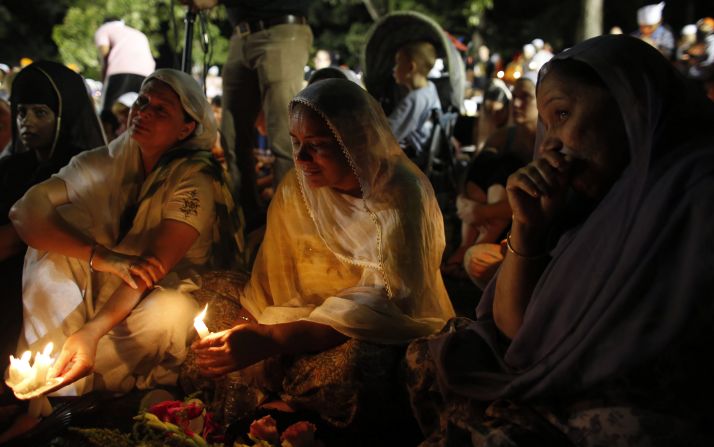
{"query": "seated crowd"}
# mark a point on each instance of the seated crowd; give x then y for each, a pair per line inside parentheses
(593, 325)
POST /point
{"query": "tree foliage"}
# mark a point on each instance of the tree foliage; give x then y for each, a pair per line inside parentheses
(26, 30)
(63, 30)
(162, 25)
(342, 25)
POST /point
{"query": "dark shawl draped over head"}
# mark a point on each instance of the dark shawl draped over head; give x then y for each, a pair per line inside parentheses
(64, 91)
(636, 278)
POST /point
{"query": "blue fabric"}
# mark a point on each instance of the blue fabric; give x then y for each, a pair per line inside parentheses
(662, 38)
(410, 119)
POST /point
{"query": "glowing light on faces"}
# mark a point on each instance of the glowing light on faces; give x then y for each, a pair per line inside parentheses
(318, 155)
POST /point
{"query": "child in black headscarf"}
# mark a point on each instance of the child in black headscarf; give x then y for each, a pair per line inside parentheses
(53, 119)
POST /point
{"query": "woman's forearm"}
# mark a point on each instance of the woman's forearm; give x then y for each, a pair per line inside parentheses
(497, 210)
(116, 309)
(40, 225)
(299, 337)
(169, 245)
(517, 279)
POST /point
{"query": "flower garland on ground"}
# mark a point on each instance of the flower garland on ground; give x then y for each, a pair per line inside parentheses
(168, 423)
(174, 422)
(188, 424)
(264, 433)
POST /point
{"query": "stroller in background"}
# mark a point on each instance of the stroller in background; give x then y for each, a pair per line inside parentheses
(383, 41)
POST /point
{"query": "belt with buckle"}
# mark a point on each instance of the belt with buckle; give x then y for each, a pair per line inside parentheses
(253, 26)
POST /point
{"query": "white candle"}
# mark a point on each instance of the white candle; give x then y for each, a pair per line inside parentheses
(22, 374)
(200, 325)
(42, 364)
(39, 407)
(20, 368)
(24, 377)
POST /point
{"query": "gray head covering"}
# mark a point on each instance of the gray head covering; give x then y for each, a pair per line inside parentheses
(194, 102)
(633, 281)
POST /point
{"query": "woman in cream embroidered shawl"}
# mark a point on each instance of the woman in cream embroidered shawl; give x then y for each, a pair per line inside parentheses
(353, 242)
(115, 239)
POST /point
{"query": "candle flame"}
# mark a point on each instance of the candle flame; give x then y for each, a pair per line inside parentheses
(199, 325)
(202, 315)
(29, 373)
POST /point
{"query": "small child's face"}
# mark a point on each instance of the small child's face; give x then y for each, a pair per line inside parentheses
(647, 30)
(402, 68)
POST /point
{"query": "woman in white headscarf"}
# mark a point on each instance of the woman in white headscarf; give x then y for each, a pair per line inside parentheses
(352, 249)
(115, 238)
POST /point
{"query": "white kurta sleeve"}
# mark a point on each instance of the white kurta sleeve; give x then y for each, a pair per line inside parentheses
(191, 202)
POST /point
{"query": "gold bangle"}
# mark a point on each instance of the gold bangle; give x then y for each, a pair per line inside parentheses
(91, 257)
(521, 255)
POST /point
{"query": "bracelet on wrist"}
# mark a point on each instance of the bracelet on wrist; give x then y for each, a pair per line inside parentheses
(91, 257)
(521, 255)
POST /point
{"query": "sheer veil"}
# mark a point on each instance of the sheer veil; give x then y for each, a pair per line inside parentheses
(391, 239)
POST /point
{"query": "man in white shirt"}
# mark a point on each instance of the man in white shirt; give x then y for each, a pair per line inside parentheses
(125, 57)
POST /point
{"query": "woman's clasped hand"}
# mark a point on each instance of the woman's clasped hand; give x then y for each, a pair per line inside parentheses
(148, 269)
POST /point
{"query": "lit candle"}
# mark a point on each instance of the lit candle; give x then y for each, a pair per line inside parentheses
(200, 325)
(20, 368)
(28, 379)
(43, 361)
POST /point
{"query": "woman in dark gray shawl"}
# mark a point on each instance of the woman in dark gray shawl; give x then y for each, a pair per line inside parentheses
(602, 336)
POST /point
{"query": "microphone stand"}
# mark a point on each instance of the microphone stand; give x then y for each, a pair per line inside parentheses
(186, 61)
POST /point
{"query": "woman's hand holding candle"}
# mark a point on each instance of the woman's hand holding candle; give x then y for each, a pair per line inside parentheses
(235, 348)
(76, 359)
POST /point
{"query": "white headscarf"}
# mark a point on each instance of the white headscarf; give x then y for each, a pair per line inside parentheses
(128, 99)
(650, 14)
(368, 266)
(102, 185)
(194, 103)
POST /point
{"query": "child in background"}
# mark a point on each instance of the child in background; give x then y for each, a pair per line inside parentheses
(410, 119)
(217, 149)
(120, 110)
